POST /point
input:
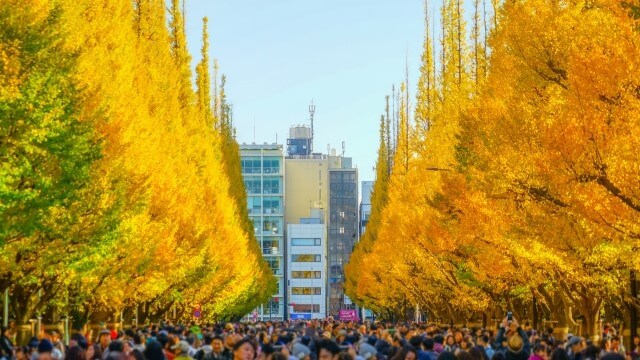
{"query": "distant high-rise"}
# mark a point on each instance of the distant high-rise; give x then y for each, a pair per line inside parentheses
(365, 205)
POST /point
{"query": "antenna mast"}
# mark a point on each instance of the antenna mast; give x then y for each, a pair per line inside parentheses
(312, 110)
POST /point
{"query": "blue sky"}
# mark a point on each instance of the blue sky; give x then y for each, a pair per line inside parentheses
(280, 54)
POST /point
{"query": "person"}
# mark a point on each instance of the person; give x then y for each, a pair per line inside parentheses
(154, 351)
(429, 353)
(635, 351)
(75, 353)
(244, 349)
(367, 352)
(407, 352)
(517, 341)
(450, 344)
(135, 355)
(6, 347)
(327, 350)
(559, 354)
(93, 352)
(591, 352)
(45, 348)
(301, 352)
(478, 353)
(181, 350)
(540, 353)
(483, 342)
(574, 347)
(605, 346)
(617, 347)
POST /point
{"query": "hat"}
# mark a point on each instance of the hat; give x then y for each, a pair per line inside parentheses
(515, 343)
(573, 341)
(367, 351)
(105, 332)
(300, 351)
(326, 334)
(45, 346)
(182, 345)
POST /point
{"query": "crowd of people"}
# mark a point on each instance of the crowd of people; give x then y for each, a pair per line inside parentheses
(320, 340)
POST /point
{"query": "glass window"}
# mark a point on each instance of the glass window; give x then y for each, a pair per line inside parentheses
(305, 242)
(306, 308)
(306, 274)
(254, 205)
(306, 258)
(272, 185)
(274, 264)
(306, 291)
(253, 186)
(272, 225)
(271, 246)
(272, 205)
(250, 165)
(271, 166)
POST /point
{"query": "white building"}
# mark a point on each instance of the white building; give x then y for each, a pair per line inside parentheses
(307, 267)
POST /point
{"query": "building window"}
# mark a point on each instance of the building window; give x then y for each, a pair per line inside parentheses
(250, 165)
(272, 205)
(274, 264)
(305, 242)
(306, 308)
(271, 185)
(306, 291)
(306, 274)
(253, 186)
(341, 230)
(342, 214)
(271, 166)
(306, 258)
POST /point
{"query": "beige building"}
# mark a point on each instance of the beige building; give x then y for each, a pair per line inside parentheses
(307, 186)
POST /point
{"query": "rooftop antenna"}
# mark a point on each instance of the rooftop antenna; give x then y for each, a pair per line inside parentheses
(312, 110)
(254, 128)
(343, 148)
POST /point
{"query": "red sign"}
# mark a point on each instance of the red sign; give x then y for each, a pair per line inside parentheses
(197, 313)
(348, 315)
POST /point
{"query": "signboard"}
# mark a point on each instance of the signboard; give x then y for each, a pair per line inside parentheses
(348, 315)
(197, 312)
(300, 316)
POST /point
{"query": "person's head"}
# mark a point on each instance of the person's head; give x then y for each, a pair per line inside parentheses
(154, 351)
(301, 352)
(438, 339)
(407, 353)
(416, 342)
(467, 342)
(94, 352)
(45, 347)
(458, 337)
(104, 338)
(368, 352)
(450, 340)
(636, 340)
(612, 356)
(478, 353)
(244, 349)
(447, 355)
(559, 354)
(483, 340)
(463, 355)
(75, 353)
(615, 342)
(135, 354)
(428, 344)
(575, 344)
(22, 352)
(327, 350)
(345, 356)
(591, 352)
(217, 343)
(541, 351)
(182, 347)
(116, 346)
(515, 343)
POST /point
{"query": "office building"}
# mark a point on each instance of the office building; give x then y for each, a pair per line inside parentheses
(307, 268)
(263, 174)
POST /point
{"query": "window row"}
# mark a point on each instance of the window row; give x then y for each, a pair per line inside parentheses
(263, 186)
(306, 291)
(306, 308)
(306, 258)
(253, 165)
(306, 274)
(266, 205)
(305, 242)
